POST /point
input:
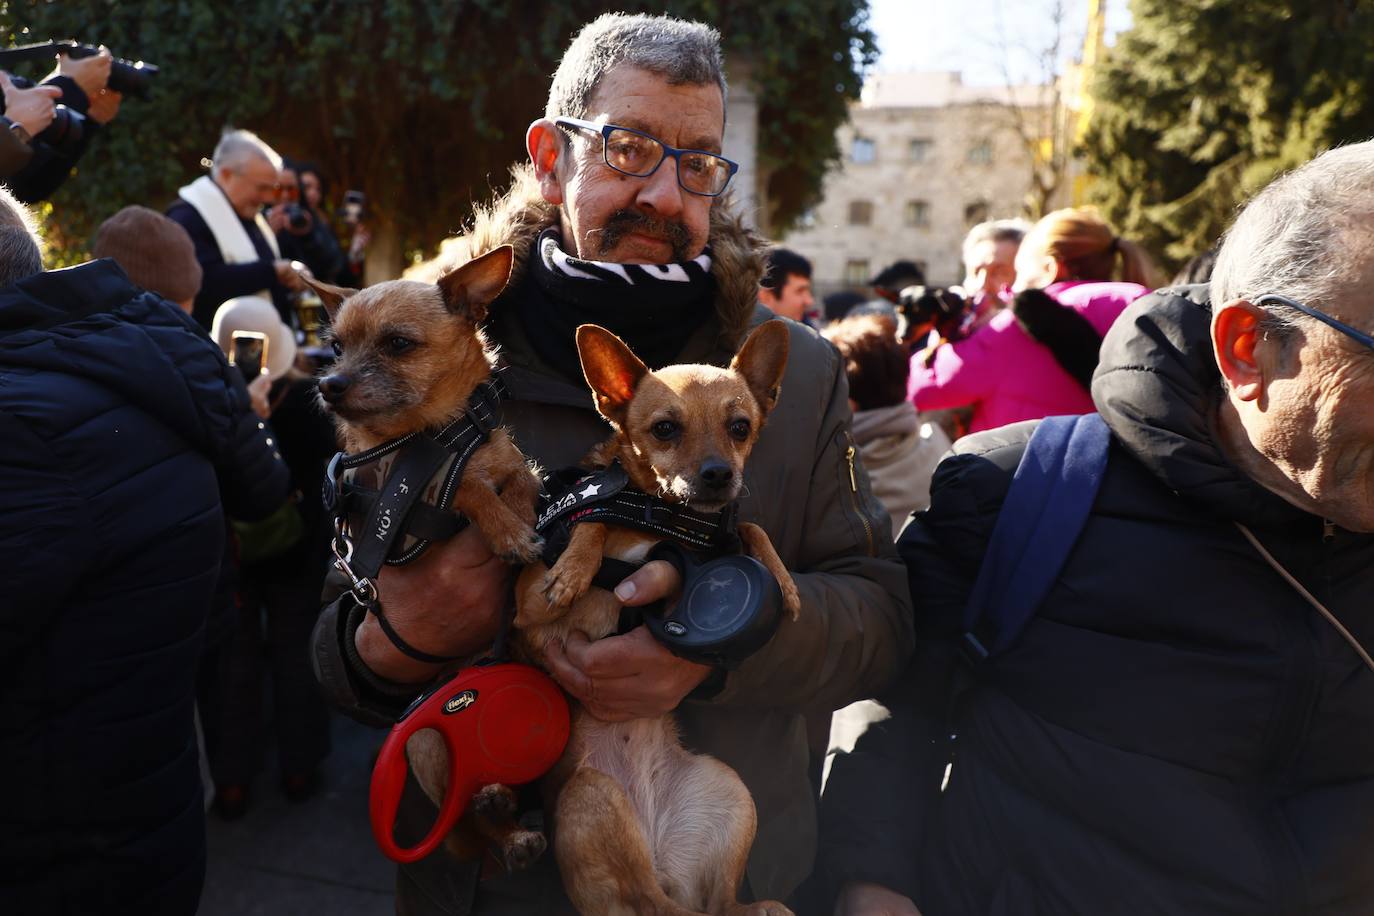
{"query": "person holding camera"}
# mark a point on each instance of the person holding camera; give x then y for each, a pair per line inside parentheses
(235, 245)
(303, 231)
(47, 128)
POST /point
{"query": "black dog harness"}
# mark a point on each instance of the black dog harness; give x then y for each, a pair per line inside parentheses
(730, 604)
(574, 495)
(391, 502)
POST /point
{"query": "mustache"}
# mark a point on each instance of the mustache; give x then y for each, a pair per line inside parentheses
(625, 222)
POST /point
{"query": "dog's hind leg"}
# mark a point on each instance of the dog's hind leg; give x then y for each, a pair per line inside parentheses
(605, 860)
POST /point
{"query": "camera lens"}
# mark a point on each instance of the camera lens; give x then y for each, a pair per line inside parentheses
(131, 78)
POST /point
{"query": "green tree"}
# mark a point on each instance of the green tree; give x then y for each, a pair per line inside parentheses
(1202, 102)
(422, 105)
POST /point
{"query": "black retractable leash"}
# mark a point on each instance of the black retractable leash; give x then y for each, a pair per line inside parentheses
(395, 521)
(730, 604)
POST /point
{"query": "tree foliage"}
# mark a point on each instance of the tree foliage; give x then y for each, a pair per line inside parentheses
(422, 105)
(1202, 102)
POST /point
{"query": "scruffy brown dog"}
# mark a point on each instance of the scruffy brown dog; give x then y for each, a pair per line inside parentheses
(642, 826)
(410, 356)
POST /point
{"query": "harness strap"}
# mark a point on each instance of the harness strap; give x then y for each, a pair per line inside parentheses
(429, 523)
(383, 524)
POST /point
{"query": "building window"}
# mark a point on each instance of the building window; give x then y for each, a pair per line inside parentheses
(918, 150)
(975, 213)
(980, 153)
(856, 273)
(863, 150)
(918, 213)
(860, 212)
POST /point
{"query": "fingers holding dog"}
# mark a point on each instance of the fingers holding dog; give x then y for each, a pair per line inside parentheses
(623, 677)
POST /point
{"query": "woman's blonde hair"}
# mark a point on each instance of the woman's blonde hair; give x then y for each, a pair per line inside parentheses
(1086, 248)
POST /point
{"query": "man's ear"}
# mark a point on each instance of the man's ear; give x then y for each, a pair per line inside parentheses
(332, 296)
(762, 361)
(546, 145)
(1236, 336)
(611, 369)
(469, 289)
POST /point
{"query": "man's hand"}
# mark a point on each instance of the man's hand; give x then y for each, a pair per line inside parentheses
(289, 274)
(104, 106)
(90, 73)
(632, 676)
(860, 899)
(257, 395)
(448, 602)
(31, 108)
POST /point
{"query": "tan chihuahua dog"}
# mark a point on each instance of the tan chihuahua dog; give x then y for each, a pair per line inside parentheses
(642, 826)
(410, 356)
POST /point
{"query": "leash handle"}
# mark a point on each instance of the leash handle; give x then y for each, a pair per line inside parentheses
(500, 723)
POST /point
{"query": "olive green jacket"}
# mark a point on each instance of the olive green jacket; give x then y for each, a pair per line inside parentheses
(804, 485)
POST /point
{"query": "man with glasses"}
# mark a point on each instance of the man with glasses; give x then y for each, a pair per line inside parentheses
(619, 221)
(222, 213)
(1185, 726)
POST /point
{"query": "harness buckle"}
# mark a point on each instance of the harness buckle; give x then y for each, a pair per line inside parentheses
(363, 588)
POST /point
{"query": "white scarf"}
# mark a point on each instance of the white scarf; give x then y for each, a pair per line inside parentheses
(232, 238)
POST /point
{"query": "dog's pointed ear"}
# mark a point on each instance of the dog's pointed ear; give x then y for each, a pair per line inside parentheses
(611, 369)
(762, 361)
(332, 296)
(469, 289)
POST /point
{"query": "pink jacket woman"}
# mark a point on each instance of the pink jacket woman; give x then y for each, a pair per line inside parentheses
(1005, 374)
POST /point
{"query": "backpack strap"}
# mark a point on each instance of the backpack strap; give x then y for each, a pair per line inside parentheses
(1044, 512)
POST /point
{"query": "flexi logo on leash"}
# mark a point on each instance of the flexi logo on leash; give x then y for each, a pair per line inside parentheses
(501, 722)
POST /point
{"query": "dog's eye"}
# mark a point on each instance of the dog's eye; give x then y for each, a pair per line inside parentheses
(400, 344)
(338, 348)
(739, 429)
(664, 430)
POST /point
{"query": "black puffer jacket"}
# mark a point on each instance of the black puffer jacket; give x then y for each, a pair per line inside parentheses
(116, 413)
(1177, 730)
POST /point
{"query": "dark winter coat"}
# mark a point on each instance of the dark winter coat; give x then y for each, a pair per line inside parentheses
(120, 429)
(1177, 731)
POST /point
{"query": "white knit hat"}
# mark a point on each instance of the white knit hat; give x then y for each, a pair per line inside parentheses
(254, 313)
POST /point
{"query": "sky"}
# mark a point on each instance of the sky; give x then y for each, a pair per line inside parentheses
(979, 37)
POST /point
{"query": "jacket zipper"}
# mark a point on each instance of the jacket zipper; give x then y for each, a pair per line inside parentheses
(854, 496)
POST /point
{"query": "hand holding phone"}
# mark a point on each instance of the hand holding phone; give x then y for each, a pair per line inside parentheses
(249, 352)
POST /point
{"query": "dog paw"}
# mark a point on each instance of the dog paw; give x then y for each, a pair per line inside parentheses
(522, 849)
(520, 548)
(758, 908)
(562, 588)
(791, 598)
(495, 802)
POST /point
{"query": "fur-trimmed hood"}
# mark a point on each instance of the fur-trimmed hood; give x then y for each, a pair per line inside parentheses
(517, 217)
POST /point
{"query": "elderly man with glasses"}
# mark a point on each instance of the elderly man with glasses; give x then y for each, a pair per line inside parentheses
(619, 220)
(1186, 724)
(223, 214)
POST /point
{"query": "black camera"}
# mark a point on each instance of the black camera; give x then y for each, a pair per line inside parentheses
(126, 77)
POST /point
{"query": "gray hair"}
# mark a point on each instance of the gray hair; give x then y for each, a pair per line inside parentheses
(236, 147)
(1305, 236)
(20, 253)
(998, 230)
(679, 51)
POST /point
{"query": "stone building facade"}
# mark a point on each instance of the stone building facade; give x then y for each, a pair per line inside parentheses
(924, 158)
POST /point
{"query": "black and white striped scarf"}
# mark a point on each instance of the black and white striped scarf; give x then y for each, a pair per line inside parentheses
(652, 307)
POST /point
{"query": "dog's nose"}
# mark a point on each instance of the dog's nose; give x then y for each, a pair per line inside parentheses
(333, 387)
(716, 474)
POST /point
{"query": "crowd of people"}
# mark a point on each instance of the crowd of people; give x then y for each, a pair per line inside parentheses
(1152, 700)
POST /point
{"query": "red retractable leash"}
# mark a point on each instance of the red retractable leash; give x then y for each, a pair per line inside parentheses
(500, 722)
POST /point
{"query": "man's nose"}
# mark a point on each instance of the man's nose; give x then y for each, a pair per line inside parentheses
(660, 192)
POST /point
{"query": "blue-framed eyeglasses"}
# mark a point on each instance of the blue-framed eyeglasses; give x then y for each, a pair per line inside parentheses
(633, 152)
(1354, 334)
